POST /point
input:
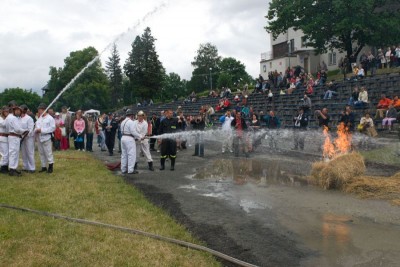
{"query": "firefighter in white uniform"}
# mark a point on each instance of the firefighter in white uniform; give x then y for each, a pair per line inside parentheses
(28, 141)
(128, 148)
(15, 132)
(45, 126)
(3, 141)
(143, 145)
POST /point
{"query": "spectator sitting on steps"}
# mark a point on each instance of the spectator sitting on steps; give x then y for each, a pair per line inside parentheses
(362, 101)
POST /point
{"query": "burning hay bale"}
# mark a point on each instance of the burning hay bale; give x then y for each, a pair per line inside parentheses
(338, 172)
(347, 173)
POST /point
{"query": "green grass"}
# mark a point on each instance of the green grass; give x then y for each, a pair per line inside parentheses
(82, 187)
(386, 155)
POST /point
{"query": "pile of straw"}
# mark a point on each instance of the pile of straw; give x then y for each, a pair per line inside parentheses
(338, 172)
(347, 173)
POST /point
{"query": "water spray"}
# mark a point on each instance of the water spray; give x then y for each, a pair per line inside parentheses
(116, 39)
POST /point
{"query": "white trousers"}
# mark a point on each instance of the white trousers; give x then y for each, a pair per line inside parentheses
(4, 153)
(46, 153)
(28, 153)
(143, 146)
(227, 142)
(128, 154)
(103, 140)
(13, 151)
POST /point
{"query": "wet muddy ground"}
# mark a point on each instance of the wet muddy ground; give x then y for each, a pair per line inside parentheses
(262, 210)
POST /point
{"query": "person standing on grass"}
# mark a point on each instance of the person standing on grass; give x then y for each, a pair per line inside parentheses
(79, 129)
(89, 134)
(28, 141)
(45, 126)
(3, 140)
(110, 126)
(128, 147)
(15, 132)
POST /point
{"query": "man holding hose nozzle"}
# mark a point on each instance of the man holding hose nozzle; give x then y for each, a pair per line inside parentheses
(45, 126)
(141, 126)
(168, 146)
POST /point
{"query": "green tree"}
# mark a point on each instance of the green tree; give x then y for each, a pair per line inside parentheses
(224, 80)
(235, 69)
(90, 90)
(205, 63)
(143, 68)
(173, 85)
(114, 73)
(21, 96)
(342, 24)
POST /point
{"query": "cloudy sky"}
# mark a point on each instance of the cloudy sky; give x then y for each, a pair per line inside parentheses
(36, 34)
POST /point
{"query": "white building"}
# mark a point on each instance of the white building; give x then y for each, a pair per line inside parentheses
(289, 49)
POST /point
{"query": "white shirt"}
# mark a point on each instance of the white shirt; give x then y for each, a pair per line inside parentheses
(141, 127)
(47, 126)
(13, 124)
(27, 124)
(226, 126)
(3, 130)
(128, 128)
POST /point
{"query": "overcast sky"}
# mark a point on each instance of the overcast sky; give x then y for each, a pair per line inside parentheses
(37, 34)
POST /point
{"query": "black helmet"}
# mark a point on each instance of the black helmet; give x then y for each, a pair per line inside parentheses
(129, 112)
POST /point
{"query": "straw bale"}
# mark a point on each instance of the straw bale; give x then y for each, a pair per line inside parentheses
(338, 172)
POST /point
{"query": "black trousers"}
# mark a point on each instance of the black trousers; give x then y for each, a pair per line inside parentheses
(110, 140)
(168, 148)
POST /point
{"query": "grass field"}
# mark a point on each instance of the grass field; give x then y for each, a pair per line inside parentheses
(81, 187)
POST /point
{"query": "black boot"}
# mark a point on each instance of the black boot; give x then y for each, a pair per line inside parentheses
(44, 169)
(151, 166)
(196, 150)
(14, 172)
(162, 164)
(50, 170)
(172, 164)
(201, 150)
(4, 169)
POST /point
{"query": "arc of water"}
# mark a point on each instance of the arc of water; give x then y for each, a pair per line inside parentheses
(116, 39)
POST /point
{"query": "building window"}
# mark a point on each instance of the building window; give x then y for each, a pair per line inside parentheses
(332, 58)
(291, 46)
(265, 68)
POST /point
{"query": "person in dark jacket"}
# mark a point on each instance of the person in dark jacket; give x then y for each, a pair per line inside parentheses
(198, 124)
(110, 126)
(154, 128)
(239, 139)
(168, 145)
(300, 126)
(348, 118)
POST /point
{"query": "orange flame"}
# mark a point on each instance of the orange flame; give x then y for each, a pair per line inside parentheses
(341, 145)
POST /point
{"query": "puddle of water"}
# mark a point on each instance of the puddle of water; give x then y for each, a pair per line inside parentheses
(188, 187)
(341, 241)
(247, 205)
(255, 171)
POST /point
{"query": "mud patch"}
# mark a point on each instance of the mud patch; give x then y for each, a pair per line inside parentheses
(278, 250)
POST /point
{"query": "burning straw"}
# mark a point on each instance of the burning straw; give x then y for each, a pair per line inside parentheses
(347, 173)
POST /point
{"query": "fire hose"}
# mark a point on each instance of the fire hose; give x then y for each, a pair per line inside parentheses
(133, 231)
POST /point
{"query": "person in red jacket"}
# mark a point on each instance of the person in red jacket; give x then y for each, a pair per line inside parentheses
(382, 107)
(226, 104)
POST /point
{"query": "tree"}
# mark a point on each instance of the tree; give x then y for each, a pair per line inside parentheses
(21, 96)
(342, 24)
(173, 85)
(114, 73)
(224, 80)
(207, 58)
(90, 90)
(143, 68)
(235, 69)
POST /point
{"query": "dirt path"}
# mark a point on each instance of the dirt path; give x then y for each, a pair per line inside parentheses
(260, 210)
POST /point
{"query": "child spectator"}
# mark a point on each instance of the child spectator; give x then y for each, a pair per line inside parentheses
(57, 137)
(391, 115)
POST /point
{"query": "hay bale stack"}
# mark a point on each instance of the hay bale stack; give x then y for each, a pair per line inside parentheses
(336, 173)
